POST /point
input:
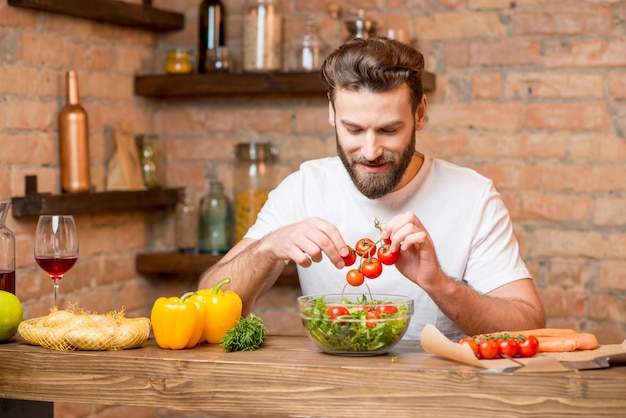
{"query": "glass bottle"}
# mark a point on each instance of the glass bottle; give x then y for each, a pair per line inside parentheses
(215, 225)
(254, 165)
(74, 141)
(147, 160)
(7, 251)
(210, 31)
(262, 28)
(186, 227)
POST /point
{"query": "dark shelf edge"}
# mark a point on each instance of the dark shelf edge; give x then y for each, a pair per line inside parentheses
(43, 203)
(227, 84)
(176, 265)
(110, 11)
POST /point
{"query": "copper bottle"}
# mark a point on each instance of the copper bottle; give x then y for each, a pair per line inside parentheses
(74, 141)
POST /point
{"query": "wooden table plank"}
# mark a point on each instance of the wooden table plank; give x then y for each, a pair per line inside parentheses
(288, 375)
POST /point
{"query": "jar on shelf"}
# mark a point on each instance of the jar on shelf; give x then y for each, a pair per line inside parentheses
(7, 251)
(215, 222)
(186, 226)
(254, 164)
(262, 31)
(148, 160)
(304, 52)
(178, 62)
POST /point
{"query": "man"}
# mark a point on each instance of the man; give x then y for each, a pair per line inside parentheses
(458, 258)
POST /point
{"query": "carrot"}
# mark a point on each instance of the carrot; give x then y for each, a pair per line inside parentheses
(556, 339)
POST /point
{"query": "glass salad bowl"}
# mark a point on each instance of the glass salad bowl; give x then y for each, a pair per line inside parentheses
(353, 324)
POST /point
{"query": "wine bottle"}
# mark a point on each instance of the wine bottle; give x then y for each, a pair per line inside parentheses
(74, 141)
(210, 30)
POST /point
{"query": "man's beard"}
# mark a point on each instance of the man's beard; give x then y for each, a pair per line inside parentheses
(375, 185)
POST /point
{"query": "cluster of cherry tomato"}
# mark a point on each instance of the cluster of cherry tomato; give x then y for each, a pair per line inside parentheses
(372, 312)
(505, 345)
(372, 257)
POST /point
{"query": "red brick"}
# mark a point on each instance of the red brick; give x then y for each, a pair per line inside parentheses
(612, 275)
(587, 53)
(547, 242)
(617, 85)
(456, 54)
(521, 146)
(477, 115)
(550, 207)
(16, 79)
(564, 303)
(511, 176)
(105, 86)
(588, 147)
(567, 273)
(31, 114)
(562, 20)
(569, 116)
(185, 175)
(609, 211)
(442, 144)
(554, 85)
(180, 121)
(486, 86)
(442, 26)
(504, 53)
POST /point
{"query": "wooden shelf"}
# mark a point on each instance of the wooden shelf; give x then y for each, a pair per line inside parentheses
(175, 265)
(110, 11)
(35, 204)
(227, 84)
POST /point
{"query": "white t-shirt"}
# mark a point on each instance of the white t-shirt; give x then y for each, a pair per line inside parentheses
(464, 215)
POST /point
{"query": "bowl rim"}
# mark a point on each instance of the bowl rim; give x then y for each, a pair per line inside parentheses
(406, 300)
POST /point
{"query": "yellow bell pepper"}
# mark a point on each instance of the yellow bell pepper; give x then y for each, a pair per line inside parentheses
(178, 322)
(223, 311)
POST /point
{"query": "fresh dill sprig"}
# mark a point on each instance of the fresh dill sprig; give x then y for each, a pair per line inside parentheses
(247, 335)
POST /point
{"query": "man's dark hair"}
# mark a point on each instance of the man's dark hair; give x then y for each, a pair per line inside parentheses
(376, 64)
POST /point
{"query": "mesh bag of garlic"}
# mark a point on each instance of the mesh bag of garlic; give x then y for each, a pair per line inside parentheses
(75, 329)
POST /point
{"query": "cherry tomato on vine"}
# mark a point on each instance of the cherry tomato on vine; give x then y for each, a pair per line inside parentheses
(350, 259)
(371, 268)
(355, 278)
(386, 309)
(508, 347)
(371, 315)
(528, 347)
(471, 343)
(335, 311)
(363, 246)
(487, 349)
(386, 256)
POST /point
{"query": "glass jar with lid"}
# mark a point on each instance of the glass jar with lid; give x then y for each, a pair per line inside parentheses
(178, 62)
(262, 30)
(254, 166)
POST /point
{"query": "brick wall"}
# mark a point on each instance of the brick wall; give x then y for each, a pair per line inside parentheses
(530, 93)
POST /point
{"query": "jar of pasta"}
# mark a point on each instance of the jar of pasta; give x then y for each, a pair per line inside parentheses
(254, 163)
(262, 36)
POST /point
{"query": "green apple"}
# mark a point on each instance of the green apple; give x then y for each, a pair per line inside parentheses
(10, 315)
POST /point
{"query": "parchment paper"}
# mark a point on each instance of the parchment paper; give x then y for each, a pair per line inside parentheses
(433, 341)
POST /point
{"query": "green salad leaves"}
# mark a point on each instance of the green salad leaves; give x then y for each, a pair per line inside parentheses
(367, 326)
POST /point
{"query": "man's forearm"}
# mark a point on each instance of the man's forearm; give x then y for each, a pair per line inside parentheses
(250, 272)
(475, 313)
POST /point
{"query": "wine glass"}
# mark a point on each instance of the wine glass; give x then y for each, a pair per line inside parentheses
(56, 247)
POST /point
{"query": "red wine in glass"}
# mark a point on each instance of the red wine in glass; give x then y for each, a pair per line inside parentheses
(56, 266)
(56, 247)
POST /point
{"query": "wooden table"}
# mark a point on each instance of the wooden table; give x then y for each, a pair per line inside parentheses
(289, 376)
